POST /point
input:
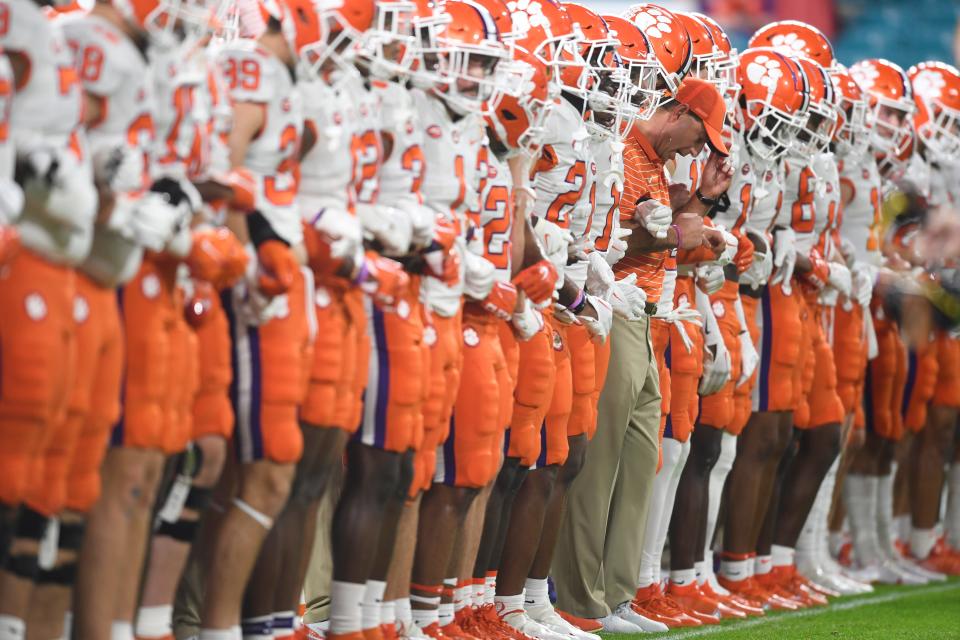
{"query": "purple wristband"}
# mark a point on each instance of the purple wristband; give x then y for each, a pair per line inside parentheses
(676, 229)
(362, 275)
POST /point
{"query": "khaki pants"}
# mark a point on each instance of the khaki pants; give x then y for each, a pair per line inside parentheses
(598, 553)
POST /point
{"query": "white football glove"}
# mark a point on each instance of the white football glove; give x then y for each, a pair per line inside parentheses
(749, 358)
(11, 201)
(121, 168)
(478, 275)
(729, 249)
(600, 277)
(627, 299)
(598, 328)
(526, 322)
(151, 219)
(554, 242)
(863, 277)
(839, 278)
(784, 257)
(709, 277)
(716, 357)
(421, 221)
(758, 274)
(618, 245)
(342, 230)
(56, 182)
(655, 217)
(389, 226)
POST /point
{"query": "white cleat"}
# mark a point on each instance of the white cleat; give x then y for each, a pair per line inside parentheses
(523, 623)
(892, 573)
(410, 631)
(715, 585)
(615, 624)
(626, 612)
(912, 567)
(549, 618)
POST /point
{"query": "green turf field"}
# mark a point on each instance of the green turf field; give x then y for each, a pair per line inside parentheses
(931, 612)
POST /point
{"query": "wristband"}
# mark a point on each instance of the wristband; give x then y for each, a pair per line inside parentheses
(578, 303)
(362, 274)
(710, 202)
(676, 229)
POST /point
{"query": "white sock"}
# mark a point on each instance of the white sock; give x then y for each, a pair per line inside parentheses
(683, 577)
(155, 622)
(445, 613)
(762, 565)
(401, 608)
(121, 630)
(257, 627)
(508, 604)
(388, 614)
(782, 556)
(718, 477)
(220, 634)
(462, 596)
(479, 591)
(860, 496)
(490, 587)
(886, 529)
(921, 542)
(346, 614)
(700, 570)
(953, 506)
(903, 528)
(660, 510)
(12, 628)
(426, 617)
(835, 542)
(536, 594)
(736, 569)
(448, 609)
(283, 624)
(370, 605)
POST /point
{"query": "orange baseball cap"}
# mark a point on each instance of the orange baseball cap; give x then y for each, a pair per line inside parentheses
(704, 99)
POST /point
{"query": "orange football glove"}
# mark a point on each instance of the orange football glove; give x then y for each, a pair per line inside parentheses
(197, 309)
(383, 279)
(319, 258)
(538, 281)
(216, 256)
(244, 186)
(502, 300)
(744, 257)
(278, 267)
(445, 231)
(819, 270)
(9, 244)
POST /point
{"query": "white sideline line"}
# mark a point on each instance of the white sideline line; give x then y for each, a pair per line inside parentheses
(809, 613)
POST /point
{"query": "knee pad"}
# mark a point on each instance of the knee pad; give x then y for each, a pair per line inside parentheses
(31, 525)
(63, 575)
(181, 530)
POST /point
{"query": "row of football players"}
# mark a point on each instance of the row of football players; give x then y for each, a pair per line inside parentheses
(370, 136)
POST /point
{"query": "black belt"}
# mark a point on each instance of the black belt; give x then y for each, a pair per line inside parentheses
(730, 273)
(748, 290)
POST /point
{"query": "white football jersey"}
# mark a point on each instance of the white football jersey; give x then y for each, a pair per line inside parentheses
(47, 112)
(327, 171)
(496, 215)
(827, 202)
(255, 75)
(861, 216)
(767, 197)
(565, 172)
(607, 153)
(741, 189)
(797, 209)
(11, 197)
(112, 68)
(402, 172)
(451, 182)
(687, 170)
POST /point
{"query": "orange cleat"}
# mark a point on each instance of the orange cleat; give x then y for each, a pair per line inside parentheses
(497, 628)
(695, 603)
(728, 610)
(433, 631)
(942, 559)
(778, 594)
(751, 591)
(651, 603)
(356, 635)
(795, 583)
(373, 633)
(455, 632)
(584, 624)
(389, 632)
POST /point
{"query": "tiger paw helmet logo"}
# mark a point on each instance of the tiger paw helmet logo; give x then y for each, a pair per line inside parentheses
(928, 84)
(653, 22)
(765, 71)
(865, 75)
(527, 14)
(789, 41)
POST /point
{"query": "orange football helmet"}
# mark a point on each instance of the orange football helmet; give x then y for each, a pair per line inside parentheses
(668, 38)
(773, 101)
(519, 120)
(543, 28)
(890, 98)
(795, 38)
(936, 93)
(724, 66)
(388, 47)
(640, 62)
(470, 36)
(346, 25)
(430, 20)
(168, 22)
(821, 120)
(852, 134)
